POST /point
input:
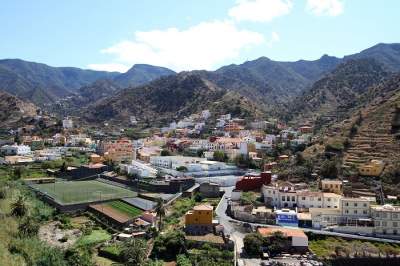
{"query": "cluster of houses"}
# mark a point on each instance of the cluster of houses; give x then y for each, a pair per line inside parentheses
(325, 208)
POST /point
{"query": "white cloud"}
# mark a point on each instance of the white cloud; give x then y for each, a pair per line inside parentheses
(275, 37)
(260, 10)
(202, 46)
(111, 67)
(325, 7)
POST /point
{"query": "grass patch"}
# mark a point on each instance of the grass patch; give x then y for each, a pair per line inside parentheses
(125, 208)
(332, 247)
(178, 209)
(95, 237)
(82, 191)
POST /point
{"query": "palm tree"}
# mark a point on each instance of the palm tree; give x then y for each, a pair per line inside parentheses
(18, 208)
(160, 209)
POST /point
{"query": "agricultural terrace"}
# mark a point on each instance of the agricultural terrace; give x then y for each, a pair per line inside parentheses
(75, 192)
(117, 210)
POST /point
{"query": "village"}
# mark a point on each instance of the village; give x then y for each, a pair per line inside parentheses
(214, 183)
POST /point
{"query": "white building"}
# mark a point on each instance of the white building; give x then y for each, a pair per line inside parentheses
(205, 114)
(140, 169)
(355, 207)
(68, 123)
(386, 219)
(15, 149)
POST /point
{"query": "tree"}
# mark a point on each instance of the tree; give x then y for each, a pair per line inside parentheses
(134, 252)
(63, 167)
(28, 227)
(182, 168)
(253, 243)
(77, 257)
(3, 193)
(18, 172)
(18, 208)
(165, 153)
(169, 245)
(160, 210)
(17, 139)
(220, 156)
(182, 260)
(277, 242)
(329, 169)
(198, 197)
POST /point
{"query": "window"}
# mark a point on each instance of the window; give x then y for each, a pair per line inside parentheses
(293, 198)
(346, 204)
(384, 223)
(355, 204)
(394, 224)
(377, 223)
(319, 199)
(395, 232)
(364, 211)
(303, 198)
(394, 215)
(355, 211)
(384, 215)
(365, 204)
(287, 198)
(329, 199)
(346, 211)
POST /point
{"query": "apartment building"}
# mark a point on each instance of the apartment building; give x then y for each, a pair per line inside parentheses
(355, 207)
(386, 219)
(15, 150)
(116, 150)
(288, 197)
(334, 186)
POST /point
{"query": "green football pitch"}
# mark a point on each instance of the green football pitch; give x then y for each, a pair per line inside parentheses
(75, 192)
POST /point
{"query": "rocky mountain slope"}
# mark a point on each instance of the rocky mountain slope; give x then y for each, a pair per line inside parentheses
(13, 110)
(140, 74)
(339, 92)
(169, 98)
(43, 84)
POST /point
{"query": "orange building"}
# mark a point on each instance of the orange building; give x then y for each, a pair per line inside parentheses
(117, 150)
(199, 220)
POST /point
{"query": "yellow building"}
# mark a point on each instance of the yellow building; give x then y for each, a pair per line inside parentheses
(373, 168)
(199, 220)
(334, 186)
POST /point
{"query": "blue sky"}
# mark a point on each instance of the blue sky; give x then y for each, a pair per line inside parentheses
(190, 34)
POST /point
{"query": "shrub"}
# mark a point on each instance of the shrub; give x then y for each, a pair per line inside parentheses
(253, 243)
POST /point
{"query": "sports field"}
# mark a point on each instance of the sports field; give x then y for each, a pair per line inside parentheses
(117, 210)
(75, 192)
(125, 208)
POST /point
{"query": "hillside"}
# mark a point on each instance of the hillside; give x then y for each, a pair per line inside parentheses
(339, 92)
(12, 110)
(387, 54)
(270, 82)
(140, 74)
(169, 98)
(43, 84)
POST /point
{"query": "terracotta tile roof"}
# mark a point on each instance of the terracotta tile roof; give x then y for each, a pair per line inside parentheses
(203, 208)
(286, 231)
